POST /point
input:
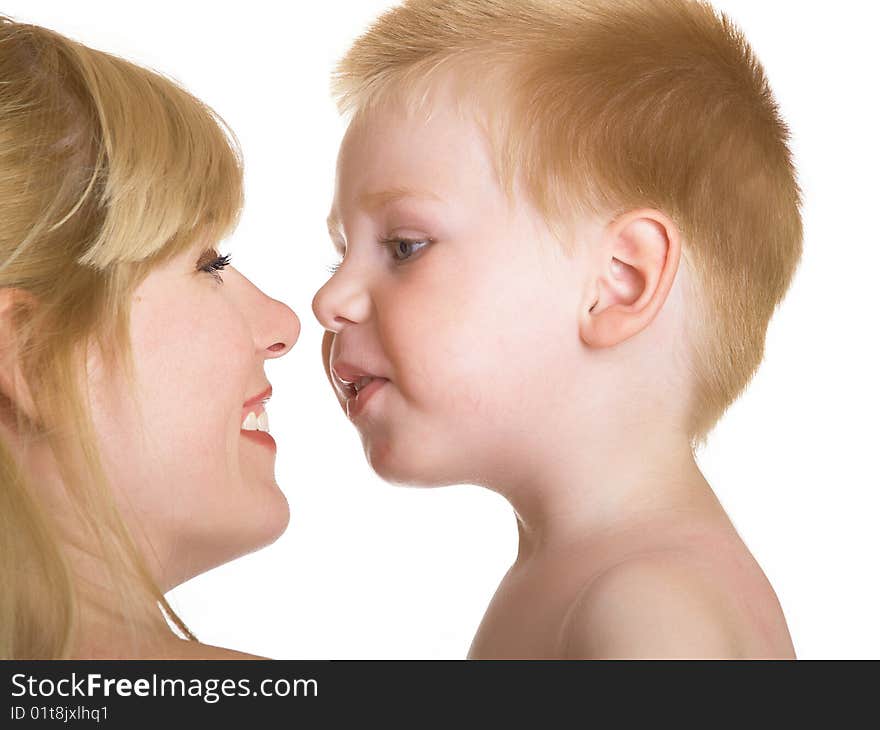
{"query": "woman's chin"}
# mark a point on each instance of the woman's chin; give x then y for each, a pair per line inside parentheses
(273, 521)
(255, 528)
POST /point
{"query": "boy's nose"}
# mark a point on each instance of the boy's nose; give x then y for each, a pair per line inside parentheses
(340, 302)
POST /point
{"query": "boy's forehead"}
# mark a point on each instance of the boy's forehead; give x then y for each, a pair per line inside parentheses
(391, 154)
(400, 135)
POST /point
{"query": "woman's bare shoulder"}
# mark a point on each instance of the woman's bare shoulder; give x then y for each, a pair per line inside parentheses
(196, 650)
(183, 649)
(167, 648)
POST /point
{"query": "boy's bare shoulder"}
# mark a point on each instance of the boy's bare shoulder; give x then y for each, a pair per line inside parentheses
(654, 605)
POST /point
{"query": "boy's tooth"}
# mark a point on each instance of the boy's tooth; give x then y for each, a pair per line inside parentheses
(250, 423)
(263, 422)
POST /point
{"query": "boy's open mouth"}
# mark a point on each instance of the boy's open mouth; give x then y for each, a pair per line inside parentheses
(354, 389)
(351, 379)
(356, 403)
(355, 385)
(362, 383)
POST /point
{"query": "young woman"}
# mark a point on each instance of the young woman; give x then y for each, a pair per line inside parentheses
(134, 443)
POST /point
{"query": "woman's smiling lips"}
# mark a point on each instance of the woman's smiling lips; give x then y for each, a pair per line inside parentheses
(355, 386)
(255, 420)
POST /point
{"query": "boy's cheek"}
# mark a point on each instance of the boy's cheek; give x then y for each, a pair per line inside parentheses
(474, 367)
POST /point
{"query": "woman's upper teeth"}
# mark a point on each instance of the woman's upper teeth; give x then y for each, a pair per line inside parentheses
(361, 383)
(253, 422)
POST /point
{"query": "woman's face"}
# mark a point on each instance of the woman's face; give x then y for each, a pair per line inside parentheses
(192, 477)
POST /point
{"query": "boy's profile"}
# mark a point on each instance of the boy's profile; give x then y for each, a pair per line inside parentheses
(564, 227)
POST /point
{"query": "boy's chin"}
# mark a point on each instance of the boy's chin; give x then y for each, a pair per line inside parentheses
(407, 469)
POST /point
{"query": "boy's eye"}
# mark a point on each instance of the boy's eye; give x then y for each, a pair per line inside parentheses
(403, 248)
(213, 263)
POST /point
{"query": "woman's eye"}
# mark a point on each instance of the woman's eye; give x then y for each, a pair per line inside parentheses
(403, 248)
(213, 263)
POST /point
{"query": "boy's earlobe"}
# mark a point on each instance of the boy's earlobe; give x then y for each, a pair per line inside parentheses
(640, 256)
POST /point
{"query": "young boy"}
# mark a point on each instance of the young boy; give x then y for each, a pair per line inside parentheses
(564, 227)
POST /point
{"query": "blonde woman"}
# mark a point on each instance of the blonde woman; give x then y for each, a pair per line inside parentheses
(134, 445)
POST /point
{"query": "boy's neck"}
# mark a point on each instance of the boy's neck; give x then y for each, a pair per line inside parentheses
(585, 493)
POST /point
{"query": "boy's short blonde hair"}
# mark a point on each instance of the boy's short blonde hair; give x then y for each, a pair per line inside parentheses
(612, 105)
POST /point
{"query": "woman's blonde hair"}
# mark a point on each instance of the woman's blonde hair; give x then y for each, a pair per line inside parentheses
(106, 170)
(612, 105)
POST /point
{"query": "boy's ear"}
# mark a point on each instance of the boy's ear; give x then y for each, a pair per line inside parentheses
(15, 396)
(639, 255)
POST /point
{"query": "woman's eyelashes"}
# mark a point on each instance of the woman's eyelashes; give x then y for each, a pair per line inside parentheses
(213, 263)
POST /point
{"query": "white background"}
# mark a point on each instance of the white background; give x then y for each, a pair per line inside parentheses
(367, 570)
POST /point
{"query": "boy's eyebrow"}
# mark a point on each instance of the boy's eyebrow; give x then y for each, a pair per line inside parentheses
(380, 198)
(373, 200)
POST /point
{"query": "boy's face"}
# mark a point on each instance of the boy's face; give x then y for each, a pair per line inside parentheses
(462, 302)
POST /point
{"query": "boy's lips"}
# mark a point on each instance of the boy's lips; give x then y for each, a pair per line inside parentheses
(356, 404)
(350, 379)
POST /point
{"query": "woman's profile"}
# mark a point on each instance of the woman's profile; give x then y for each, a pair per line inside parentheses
(134, 443)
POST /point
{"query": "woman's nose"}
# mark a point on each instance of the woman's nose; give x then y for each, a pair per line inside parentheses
(343, 300)
(275, 325)
(281, 331)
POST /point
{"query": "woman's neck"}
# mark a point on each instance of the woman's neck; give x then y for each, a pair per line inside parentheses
(115, 622)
